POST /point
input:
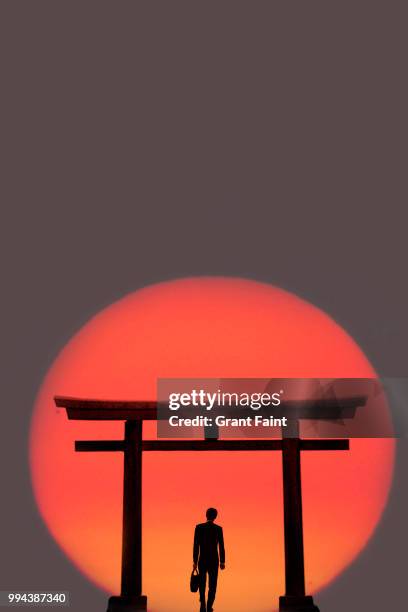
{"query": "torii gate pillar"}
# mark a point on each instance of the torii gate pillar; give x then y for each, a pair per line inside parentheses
(295, 598)
(131, 597)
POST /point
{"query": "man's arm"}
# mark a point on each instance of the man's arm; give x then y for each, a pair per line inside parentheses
(222, 549)
(196, 547)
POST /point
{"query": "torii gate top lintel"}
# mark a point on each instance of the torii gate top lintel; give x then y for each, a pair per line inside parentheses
(128, 410)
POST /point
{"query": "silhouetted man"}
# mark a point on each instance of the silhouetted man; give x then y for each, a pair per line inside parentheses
(208, 539)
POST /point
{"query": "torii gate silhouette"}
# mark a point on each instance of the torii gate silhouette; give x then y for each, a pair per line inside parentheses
(133, 413)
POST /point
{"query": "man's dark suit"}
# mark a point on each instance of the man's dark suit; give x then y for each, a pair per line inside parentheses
(208, 538)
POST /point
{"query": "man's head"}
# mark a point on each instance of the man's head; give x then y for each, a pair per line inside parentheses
(211, 514)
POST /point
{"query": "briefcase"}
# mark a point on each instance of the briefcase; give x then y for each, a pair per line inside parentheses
(194, 581)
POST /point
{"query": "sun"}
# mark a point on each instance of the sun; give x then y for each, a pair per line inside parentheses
(206, 327)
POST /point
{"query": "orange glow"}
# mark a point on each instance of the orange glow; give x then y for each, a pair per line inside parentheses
(203, 327)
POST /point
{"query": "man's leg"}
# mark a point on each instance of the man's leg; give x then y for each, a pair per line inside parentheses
(202, 572)
(212, 585)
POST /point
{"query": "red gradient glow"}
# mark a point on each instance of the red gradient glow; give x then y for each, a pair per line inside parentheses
(203, 327)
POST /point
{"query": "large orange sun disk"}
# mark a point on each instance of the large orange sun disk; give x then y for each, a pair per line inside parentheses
(203, 327)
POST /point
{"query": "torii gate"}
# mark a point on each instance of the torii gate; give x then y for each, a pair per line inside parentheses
(133, 413)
